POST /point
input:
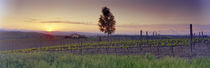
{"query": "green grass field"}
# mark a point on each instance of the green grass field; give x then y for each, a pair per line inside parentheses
(67, 60)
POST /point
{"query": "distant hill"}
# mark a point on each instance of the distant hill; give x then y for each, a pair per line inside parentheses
(4, 34)
(19, 35)
(69, 33)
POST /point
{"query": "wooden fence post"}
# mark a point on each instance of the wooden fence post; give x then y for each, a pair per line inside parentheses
(141, 38)
(191, 36)
(140, 34)
(147, 37)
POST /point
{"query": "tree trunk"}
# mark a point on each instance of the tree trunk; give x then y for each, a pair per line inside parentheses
(108, 37)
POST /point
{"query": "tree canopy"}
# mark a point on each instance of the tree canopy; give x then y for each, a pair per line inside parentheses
(106, 21)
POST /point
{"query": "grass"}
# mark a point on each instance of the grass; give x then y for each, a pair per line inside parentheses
(67, 60)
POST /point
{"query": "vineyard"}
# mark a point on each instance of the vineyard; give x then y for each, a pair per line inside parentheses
(159, 47)
(117, 51)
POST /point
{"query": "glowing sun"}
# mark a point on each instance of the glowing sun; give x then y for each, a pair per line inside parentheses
(49, 29)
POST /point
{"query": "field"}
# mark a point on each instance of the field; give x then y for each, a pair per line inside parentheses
(113, 52)
(67, 60)
(117, 45)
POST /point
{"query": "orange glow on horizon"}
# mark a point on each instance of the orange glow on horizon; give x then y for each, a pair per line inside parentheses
(49, 29)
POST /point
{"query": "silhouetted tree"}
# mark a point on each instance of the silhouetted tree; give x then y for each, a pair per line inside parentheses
(106, 22)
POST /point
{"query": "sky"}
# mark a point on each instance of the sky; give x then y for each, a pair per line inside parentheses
(163, 16)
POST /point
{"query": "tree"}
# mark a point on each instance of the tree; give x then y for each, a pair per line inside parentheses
(106, 22)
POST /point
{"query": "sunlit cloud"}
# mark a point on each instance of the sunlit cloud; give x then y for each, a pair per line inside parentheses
(31, 20)
(67, 22)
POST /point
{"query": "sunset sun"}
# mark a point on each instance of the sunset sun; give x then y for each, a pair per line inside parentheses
(49, 29)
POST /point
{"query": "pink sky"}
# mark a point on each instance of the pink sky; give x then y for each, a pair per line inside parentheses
(164, 16)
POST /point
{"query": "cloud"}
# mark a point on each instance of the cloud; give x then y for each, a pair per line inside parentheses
(30, 20)
(68, 22)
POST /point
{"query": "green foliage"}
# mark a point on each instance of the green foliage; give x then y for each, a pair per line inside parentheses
(67, 60)
(113, 44)
(106, 21)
